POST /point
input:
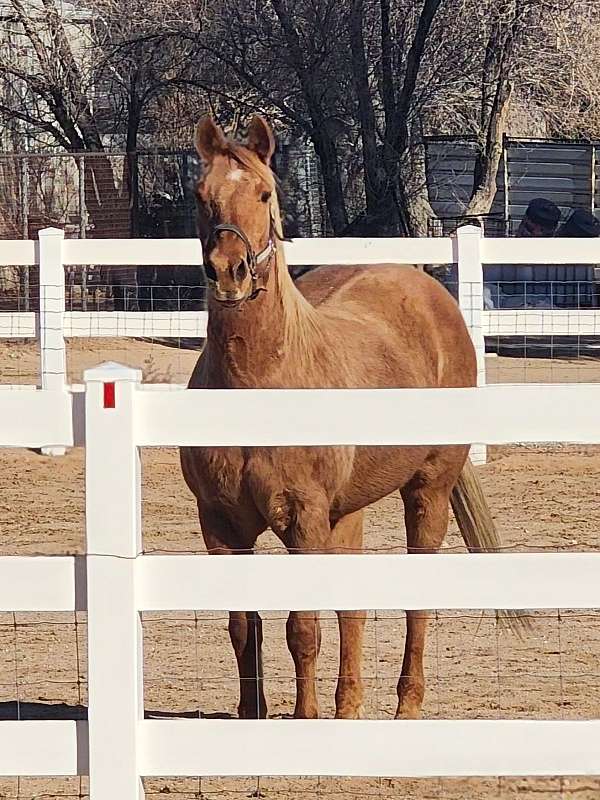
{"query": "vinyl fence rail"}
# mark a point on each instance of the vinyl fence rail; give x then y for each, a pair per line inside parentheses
(114, 582)
(53, 325)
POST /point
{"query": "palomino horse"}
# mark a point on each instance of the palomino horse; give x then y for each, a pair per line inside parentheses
(375, 327)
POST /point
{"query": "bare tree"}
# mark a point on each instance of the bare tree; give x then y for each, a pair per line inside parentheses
(56, 95)
(369, 79)
(91, 79)
(561, 84)
(313, 66)
(365, 82)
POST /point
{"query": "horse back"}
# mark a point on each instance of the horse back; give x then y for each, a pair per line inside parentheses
(403, 315)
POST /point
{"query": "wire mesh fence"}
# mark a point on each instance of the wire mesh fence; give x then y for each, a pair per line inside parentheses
(19, 289)
(472, 670)
(303, 788)
(563, 315)
(116, 289)
(542, 498)
(136, 195)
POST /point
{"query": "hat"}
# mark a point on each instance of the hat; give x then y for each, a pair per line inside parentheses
(582, 223)
(544, 212)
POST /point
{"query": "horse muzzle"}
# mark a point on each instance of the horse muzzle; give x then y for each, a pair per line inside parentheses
(230, 300)
(229, 282)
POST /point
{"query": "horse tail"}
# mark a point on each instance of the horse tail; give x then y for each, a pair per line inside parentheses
(480, 534)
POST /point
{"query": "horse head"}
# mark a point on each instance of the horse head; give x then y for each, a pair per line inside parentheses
(238, 214)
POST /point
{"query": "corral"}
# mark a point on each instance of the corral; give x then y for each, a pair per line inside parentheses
(543, 498)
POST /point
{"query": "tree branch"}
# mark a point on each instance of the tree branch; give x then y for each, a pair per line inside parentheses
(388, 92)
(496, 92)
(32, 35)
(400, 133)
(36, 122)
(366, 113)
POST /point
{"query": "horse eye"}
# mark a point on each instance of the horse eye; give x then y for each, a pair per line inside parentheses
(265, 196)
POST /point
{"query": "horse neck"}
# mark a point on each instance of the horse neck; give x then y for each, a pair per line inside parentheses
(255, 345)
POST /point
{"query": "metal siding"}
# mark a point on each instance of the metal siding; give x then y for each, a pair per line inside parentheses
(449, 174)
(559, 172)
(450, 177)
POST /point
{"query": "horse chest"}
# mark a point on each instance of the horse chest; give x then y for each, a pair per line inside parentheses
(220, 472)
(281, 483)
(284, 482)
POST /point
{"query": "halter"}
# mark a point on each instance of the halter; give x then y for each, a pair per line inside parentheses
(254, 259)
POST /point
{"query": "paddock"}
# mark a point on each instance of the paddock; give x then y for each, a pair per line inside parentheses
(543, 497)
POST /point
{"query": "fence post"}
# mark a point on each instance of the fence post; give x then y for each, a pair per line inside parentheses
(114, 540)
(53, 360)
(25, 272)
(82, 225)
(470, 299)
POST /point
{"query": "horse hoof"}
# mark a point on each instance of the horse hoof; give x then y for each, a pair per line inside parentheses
(408, 713)
(251, 713)
(351, 713)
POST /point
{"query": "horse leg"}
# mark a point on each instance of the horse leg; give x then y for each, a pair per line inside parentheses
(309, 534)
(245, 632)
(426, 517)
(303, 632)
(347, 536)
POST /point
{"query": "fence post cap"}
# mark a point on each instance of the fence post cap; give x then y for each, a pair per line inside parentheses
(51, 232)
(111, 372)
(468, 230)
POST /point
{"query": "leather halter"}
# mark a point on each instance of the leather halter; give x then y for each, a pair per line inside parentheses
(254, 259)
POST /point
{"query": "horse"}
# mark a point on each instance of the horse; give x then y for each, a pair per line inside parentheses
(371, 327)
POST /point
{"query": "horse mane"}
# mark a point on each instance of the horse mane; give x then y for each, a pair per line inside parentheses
(301, 319)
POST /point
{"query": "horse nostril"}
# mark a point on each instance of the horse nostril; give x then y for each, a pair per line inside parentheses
(241, 270)
(210, 271)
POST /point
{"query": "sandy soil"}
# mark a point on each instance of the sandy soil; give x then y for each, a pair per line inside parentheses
(171, 361)
(541, 498)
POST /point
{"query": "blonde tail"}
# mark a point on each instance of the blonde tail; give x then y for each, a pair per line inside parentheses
(480, 534)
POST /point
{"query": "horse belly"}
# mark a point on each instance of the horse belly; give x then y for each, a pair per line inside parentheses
(376, 473)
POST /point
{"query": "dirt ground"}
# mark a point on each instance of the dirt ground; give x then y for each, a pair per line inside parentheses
(172, 361)
(542, 499)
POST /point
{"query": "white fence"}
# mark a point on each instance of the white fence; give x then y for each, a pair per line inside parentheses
(53, 324)
(116, 746)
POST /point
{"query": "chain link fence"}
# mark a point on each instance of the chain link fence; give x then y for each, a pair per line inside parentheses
(120, 196)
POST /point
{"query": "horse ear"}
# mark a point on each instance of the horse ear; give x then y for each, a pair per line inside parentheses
(261, 139)
(210, 140)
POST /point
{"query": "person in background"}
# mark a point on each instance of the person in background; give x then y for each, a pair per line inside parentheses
(511, 286)
(581, 224)
(573, 285)
(541, 219)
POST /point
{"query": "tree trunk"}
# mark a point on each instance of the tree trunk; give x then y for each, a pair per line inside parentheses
(332, 180)
(374, 185)
(496, 90)
(489, 155)
(413, 174)
(131, 171)
(322, 140)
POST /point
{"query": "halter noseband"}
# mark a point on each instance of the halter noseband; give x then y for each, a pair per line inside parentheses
(254, 259)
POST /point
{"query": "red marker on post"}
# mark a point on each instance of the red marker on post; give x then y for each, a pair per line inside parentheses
(109, 395)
